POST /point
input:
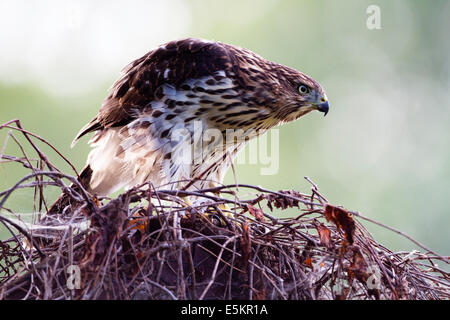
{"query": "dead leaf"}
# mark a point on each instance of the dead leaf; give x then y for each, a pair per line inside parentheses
(324, 235)
(359, 269)
(257, 213)
(342, 219)
(246, 244)
(139, 221)
(282, 200)
(308, 262)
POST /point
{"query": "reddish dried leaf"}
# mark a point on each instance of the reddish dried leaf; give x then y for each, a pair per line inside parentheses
(342, 219)
(139, 221)
(282, 201)
(308, 262)
(325, 235)
(257, 213)
(358, 267)
(246, 244)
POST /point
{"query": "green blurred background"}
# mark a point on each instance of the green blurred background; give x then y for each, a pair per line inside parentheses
(383, 149)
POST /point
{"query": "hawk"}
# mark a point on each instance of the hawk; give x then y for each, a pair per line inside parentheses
(145, 129)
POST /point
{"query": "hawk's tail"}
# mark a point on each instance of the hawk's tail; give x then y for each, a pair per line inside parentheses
(64, 199)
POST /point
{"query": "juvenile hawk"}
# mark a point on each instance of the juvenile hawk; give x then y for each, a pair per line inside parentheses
(181, 90)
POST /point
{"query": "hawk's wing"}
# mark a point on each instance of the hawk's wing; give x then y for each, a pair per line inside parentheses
(172, 63)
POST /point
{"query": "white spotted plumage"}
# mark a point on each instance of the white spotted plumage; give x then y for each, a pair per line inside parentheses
(137, 152)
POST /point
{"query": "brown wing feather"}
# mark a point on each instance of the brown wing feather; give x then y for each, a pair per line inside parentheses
(185, 59)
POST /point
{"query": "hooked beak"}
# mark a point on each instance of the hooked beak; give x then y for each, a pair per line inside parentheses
(323, 107)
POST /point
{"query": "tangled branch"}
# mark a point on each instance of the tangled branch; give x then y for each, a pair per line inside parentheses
(150, 243)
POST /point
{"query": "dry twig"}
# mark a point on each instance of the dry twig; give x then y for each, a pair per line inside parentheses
(148, 244)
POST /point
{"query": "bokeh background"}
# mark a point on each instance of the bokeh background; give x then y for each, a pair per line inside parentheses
(383, 149)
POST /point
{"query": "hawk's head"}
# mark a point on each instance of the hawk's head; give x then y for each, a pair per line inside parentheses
(287, 93)
(298, 94)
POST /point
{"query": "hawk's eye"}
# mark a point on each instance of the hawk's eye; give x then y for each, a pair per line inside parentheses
(303, 89)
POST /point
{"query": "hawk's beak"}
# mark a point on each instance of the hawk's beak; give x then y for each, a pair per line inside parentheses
(323, 107)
